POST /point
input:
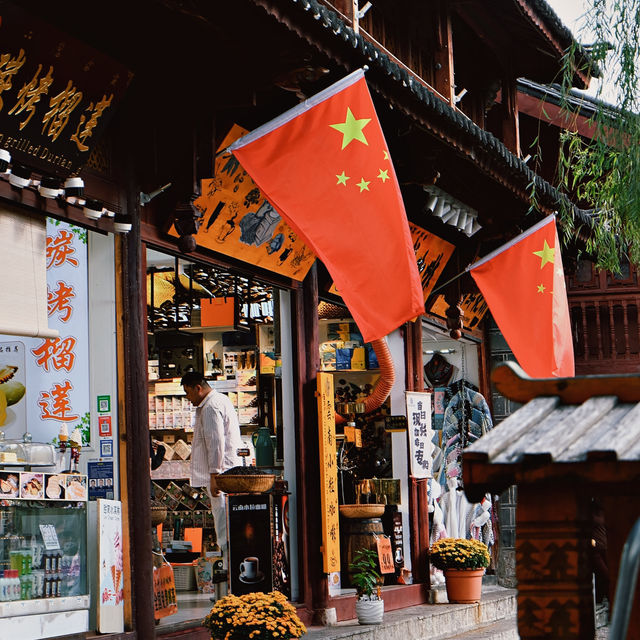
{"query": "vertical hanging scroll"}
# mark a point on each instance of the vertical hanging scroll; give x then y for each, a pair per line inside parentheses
(328, 475)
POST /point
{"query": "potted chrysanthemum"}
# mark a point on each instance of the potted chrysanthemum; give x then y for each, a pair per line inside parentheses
(463, 563)
(366, 578)
(254, 616)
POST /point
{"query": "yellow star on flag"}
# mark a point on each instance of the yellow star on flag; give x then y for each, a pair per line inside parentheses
(541, 288)
(364, 185)
(386, 154)
(546, 254)
(342, 179)
(383, 175)
(351, 129)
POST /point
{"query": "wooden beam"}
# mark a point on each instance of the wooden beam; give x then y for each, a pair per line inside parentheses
(443, 58)
(511, 381)
(510, 121)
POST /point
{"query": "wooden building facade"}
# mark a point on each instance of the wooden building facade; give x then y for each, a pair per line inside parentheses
(443, 80)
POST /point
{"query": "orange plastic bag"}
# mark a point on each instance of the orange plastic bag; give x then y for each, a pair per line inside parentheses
(165, 602)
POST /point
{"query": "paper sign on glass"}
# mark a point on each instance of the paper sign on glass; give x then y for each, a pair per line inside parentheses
(49, 536)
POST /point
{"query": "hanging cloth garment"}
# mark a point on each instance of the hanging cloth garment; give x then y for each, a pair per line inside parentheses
(466, 418)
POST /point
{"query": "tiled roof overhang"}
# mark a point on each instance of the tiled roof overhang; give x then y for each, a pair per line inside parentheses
(408, 93)
(585, 428)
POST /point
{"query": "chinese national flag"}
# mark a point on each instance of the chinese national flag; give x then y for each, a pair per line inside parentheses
(523, 284)
(325, 167)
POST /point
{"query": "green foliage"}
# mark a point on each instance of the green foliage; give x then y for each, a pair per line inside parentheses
(604, 172)
(365, 572)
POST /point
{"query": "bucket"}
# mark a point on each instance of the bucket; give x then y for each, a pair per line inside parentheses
(361, 534)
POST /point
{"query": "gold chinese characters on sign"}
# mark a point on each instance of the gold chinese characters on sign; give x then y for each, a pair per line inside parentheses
(328, 475)
(238, 220)
(56, 93)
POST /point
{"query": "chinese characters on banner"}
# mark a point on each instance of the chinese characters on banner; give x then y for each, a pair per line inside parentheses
(110, 577)
(328, 475)
(419, 433)
(46, 380)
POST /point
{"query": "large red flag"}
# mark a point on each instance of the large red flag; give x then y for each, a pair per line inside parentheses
(325, 167)
(523, 284)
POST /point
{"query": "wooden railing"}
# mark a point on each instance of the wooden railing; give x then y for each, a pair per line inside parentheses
(606, 334)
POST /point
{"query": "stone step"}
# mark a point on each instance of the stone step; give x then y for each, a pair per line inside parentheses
(501, 630)
(433, 621)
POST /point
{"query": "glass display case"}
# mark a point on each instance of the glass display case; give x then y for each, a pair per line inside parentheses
(43, 553)
(43, 543)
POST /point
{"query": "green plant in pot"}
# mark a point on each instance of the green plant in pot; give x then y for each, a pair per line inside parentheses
(367, 580)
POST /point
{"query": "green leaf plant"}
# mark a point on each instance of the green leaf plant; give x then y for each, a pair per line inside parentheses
(602, 171)
(365, 575)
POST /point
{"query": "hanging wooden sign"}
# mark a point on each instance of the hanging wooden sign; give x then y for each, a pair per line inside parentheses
(56, 94)
(385, 556)
(329, 514)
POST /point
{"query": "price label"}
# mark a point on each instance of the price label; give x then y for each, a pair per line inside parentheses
(385, 557)
(49, 536)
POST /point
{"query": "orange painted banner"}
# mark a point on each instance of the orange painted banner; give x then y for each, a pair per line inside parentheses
(240, 223)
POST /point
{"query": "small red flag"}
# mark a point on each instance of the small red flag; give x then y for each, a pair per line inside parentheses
(325, 167)
(523, 284)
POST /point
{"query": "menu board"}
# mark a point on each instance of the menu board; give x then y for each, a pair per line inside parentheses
(26, 485)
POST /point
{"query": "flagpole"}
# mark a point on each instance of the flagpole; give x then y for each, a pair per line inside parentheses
(494, 253)
(443, 285)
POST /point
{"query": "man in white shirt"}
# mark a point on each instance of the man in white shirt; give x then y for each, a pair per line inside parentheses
(216, 440)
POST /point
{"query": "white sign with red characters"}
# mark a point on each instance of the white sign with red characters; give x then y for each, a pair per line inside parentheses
(44, 382)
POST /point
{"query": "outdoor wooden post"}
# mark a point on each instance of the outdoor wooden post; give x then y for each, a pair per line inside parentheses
(553, 544)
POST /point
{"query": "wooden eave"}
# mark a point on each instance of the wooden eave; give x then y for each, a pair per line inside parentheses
(516, 32)
(585, 428)
(326, 31)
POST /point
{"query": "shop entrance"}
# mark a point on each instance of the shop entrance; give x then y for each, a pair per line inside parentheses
(235, 330)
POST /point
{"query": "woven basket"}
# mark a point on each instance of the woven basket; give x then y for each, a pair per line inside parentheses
(361, 510)
(245, 483)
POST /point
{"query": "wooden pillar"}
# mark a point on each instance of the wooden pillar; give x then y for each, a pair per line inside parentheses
(553, 567)
(443, 75)
(510, 122)
(313, 582)
(134, 370)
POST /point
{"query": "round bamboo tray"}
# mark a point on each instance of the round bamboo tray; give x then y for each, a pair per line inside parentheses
(362, 510)
(258, 483)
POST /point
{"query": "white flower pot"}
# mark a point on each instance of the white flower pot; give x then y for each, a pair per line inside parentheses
(369, 611)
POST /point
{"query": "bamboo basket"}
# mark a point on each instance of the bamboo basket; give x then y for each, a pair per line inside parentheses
(361, 510)
(258, 483)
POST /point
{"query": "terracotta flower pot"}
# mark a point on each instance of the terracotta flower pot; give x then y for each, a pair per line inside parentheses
(464, 585)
